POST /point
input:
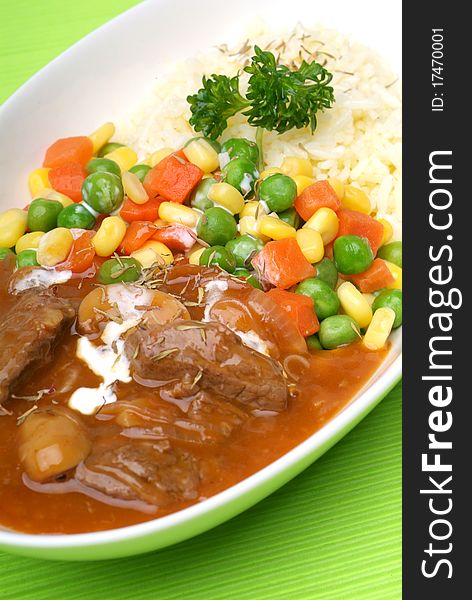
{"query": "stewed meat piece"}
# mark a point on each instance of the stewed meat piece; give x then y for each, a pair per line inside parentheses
(154, 473)
(28, 334)
(208, 356)
(195, 420)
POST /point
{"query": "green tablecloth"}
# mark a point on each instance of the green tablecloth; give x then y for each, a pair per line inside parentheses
(332, 533)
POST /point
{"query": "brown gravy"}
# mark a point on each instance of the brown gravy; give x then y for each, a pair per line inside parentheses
(332, 380)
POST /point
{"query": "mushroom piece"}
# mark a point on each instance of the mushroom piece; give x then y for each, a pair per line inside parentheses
(52, 441)
(127, 303)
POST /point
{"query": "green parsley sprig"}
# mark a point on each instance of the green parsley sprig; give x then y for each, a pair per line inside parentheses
(277, 99)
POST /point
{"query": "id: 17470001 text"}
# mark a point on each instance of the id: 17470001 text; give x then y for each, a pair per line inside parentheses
(437, 68)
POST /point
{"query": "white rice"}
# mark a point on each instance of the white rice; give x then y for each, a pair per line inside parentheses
(357, 141)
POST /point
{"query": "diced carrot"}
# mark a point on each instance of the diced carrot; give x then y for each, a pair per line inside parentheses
(173, 178)
(328, 251)
(181, 154)
(282, 264)
(77, 149)
(149, 211)
(376, 277)
(317, 195)
(81, 255)
(137, 233)
(352, 222)
(176, 237)
(68, 179)
(299, 307)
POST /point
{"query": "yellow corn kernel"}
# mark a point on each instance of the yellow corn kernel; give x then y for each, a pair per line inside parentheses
(387, 232)
(269, 171)
(369, 297)
(152, 253)
(275, 228)
(109, 236)
(397, 273)
(194, 256)
(54, 247)
(133, 188)
(161, 223)
(311, 244)
(124, 157)
(102, 136)
(158, 155)
(173, 212)
(200, 153)
(12, 226)
(38, 181)
(249, 209)
(294, 165)
(29, 241)
(338, 186)
(62, 198)
(355, 199)
(248, 226)
(354, 304)
(302, 182)
(226, 196)
(379, 329)
(325, 221)
(44, 193)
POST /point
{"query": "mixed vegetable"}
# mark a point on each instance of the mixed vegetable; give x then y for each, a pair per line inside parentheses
(315, 247)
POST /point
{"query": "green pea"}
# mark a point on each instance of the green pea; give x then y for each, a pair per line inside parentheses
(291, 217)
(338, 330)
(103, 192)
(76, 216)
(326, 300)
(392, 252)
(199, 198)
(103, 165)
(241, 148)
(213, 143)
(390, 299)
(217, 226)
(116, 270)
(218, 255)
(249, 277)
(278, 191)
(242, 174)
(5, 253)
(327, 272)
(244, 248)
(140, 171)
(352, 254)
(110, 147)
(313, 342)
(42, 214)
(26, 258)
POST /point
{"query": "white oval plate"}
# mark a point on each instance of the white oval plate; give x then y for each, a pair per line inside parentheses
(97, 80)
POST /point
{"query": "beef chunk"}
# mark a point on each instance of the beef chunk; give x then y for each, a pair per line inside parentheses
(142, 471)
(216, 420)
(208, 356)
(28, 334)
(199, 420)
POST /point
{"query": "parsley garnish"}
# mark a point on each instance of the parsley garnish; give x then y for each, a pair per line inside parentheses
(277, 98)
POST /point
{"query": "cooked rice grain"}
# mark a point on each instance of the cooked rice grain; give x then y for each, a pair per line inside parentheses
(357, 141)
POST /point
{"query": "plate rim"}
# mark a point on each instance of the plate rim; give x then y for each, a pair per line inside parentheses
(290, 464)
